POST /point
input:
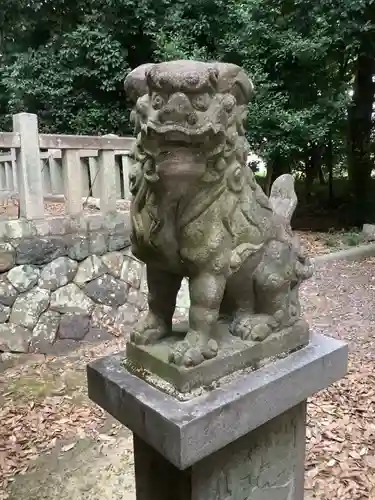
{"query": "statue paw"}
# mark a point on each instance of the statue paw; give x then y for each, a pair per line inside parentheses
(149, 330)
(193, 351)
(256, 327)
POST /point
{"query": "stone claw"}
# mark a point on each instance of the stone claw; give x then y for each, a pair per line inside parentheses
(188, 354)
(255, 327)
(149, 330)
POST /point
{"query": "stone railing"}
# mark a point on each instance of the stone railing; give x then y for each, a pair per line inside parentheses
(35, 167)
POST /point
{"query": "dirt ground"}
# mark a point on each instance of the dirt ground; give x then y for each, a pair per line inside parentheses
(55, 444)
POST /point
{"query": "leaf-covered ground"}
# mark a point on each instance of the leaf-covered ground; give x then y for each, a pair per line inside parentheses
(44, 410)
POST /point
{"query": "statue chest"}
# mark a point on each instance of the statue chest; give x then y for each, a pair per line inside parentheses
(155, 235)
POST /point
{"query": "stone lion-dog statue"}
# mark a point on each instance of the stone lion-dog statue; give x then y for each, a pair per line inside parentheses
(197, 211)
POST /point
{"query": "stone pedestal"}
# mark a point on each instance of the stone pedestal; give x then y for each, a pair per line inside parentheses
(243, 439)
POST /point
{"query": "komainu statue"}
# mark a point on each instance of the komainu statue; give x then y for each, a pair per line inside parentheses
(197, 212)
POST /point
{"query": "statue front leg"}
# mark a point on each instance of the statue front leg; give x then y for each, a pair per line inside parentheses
(206, 293)
(163, 288)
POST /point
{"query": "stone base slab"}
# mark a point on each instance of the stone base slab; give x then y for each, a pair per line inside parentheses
(234, 355)
(185, 432)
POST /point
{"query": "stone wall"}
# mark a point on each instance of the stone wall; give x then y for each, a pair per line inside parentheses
(65, 280)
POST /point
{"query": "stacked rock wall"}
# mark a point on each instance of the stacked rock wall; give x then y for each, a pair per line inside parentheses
(65, 280)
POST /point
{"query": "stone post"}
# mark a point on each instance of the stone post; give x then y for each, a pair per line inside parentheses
(72, 175)
(29, 168)
(126, 166)
(55, 170)
(9, 176)
(244, 439)
(3, 179)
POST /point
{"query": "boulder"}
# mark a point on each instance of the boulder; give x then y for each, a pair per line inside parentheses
(8, 293)
(7, 257)
(368, 232)
(57, 273)
(23, 277)
(89, 269)
(71, 299)
(107, 290)
(74, 326)
(14, 338)
(44, 333)
(28, 307)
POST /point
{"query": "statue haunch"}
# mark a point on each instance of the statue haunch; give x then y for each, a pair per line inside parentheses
(198, 212)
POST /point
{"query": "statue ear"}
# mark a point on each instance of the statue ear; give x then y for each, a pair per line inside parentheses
(214, 76)
(136, 83)
(234, 80)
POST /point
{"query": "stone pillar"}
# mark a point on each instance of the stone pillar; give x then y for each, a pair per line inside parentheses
(29, 168)
(55, 170)
(243, 439)
(93, 169)
(3, 179)
(9, 176)
(126, 164)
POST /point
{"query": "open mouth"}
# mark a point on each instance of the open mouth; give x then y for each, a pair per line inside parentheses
(180, 135)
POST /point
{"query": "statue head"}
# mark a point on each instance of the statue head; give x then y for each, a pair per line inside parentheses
(187, 103)
(188, 113)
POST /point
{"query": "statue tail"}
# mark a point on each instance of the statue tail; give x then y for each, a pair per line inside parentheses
(283, 198)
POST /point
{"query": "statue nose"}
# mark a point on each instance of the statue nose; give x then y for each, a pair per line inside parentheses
(178, 110)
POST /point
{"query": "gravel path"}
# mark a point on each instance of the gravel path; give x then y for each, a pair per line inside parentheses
(340, 301)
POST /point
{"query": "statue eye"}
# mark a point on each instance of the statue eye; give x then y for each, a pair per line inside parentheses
(157, 101)
(201, 102)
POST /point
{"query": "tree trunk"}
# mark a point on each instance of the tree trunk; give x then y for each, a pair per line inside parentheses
(359, 133)
(329, 162)
(313, 166)
(275, 168)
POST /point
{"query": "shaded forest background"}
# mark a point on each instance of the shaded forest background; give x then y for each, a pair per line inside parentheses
(312, 63)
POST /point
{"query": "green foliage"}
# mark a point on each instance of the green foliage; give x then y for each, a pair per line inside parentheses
(67, 60)
(73, 83)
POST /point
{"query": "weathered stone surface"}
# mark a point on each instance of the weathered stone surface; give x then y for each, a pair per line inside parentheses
(20, 228)
(4, 313)
(14, 338)
(368, 232)
(266, 464)
(200, 426)
(114, 262)
(28, 307)
(183, 299)
(58, 273)
(71, 299)
(107, 290)
(118, 240)
(117, 321)
(98, 243)
(89, 269)
(39, 251)
(283, 199)
(212, 192)
(131, 272)
(8, 293)
(233, 355)
(96, 334)
(44, 332)
(126, 316)
(74, 326)
(137, 299)
(7, 257)
(78, 246)
(100, 315)
(23, 277)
